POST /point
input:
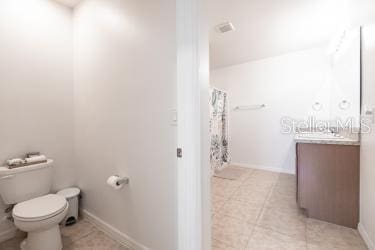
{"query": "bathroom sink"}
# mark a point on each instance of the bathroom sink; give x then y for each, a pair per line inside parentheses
(319, 136)
(324, 137)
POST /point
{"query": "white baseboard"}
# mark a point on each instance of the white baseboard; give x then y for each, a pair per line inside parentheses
(362, 231)
(8, 234)
(272, 169)
(112, 232)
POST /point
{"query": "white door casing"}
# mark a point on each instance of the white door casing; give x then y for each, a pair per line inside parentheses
(193, 167)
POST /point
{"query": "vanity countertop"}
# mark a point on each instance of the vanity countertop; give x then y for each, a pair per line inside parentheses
(324, 138)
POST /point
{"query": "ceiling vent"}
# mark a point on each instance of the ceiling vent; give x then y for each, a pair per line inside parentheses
(225, 27)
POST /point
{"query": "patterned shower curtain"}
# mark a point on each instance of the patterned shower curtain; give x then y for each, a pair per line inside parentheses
(219, 156)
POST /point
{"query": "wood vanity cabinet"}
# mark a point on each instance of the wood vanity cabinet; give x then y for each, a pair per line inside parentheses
(328, 182)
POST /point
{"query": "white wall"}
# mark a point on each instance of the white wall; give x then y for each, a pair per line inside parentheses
(125, 76)
(367, 212)
(36, 85)
(288, 85)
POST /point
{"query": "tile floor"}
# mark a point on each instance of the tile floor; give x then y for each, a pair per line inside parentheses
(259, 211)
(81, 236)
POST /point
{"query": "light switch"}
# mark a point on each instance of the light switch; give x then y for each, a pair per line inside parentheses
(174, 117)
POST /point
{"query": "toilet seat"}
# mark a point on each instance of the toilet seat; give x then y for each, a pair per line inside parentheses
(40, 208)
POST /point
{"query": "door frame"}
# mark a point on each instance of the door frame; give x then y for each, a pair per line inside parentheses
(193, 174)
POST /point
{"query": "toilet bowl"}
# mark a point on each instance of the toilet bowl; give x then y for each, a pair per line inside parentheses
(40, 218)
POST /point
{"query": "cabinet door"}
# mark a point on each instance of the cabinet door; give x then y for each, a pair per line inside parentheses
(328, 182)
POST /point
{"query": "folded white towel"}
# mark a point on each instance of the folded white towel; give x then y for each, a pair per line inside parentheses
(34, 159)
(13, 162)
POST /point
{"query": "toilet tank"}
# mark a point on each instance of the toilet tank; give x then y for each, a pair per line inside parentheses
(25, 183)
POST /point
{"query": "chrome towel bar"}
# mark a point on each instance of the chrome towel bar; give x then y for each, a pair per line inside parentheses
(250, 107)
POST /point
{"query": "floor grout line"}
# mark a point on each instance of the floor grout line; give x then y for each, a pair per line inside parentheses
(261, 212)
(230, 198)
(264, 208)
(307, 245)
(255, 220)
(268, 197)
(85, 235)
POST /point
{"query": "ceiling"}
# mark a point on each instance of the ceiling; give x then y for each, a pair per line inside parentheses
(69, 3)
(266, 28)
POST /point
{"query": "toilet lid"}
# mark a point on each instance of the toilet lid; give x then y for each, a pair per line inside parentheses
(40, 208)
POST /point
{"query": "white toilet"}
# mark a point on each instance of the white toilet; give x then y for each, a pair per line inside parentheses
(36, 211)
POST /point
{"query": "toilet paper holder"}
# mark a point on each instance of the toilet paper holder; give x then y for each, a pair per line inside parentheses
(122, 180)
(116, 182)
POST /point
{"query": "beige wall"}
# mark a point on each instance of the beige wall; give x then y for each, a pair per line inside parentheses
(125, 86)
(36, 85)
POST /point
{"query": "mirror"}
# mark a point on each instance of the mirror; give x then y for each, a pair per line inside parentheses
(338, 101)
(345, 71)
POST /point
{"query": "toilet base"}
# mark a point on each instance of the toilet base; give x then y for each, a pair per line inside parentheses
(43, 240)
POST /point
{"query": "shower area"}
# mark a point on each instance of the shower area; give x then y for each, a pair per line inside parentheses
(219, 154)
